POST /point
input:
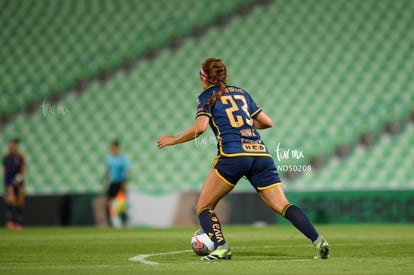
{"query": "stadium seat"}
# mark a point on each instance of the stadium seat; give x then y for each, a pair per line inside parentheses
(326, 73)
(55, 45)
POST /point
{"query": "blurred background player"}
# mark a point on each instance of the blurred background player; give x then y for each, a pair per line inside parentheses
(14, 171)
(117, 172)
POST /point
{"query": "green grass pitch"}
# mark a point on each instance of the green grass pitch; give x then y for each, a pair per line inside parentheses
(355, 249)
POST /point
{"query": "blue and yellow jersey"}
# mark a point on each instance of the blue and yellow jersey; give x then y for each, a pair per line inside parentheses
(231, 119)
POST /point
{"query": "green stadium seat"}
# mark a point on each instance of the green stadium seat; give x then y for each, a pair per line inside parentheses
(47, 44)
(325, 73)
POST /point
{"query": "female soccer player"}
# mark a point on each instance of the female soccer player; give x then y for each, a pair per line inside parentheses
(14, 171)
(234, 118)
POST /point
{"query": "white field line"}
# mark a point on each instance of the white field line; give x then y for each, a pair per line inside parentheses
(142, 258)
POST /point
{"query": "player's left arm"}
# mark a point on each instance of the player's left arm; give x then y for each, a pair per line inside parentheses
(127, 169)
(262, 121)
(198, 128)
(127, 178)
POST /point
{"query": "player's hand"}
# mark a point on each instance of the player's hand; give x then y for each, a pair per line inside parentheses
(166, 140)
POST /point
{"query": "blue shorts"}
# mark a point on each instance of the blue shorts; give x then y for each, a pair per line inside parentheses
(259, 170)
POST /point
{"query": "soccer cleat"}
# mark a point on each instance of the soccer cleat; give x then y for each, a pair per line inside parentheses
(321, 248)
(17, 226)
(10, 225)
(218, 254)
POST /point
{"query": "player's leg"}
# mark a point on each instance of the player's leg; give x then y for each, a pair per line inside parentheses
(275, 198)
(108, 209)
(9, 203)
(124, 215)
(20, 197)
(110, 195)
(265, 178)
(213, 190)
(113, 190)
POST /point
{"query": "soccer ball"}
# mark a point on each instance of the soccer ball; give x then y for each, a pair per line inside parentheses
(200, 242)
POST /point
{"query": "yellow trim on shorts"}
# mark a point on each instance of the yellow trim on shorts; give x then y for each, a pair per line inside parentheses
(285, 209)
(269, 186)
(244, 154)
(223, 178)
(214, 163)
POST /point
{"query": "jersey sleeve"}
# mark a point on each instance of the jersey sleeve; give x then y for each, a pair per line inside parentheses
(201, 101)
(254, 110)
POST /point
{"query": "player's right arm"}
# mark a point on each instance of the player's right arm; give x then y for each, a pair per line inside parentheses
(104, 178)
(262, 121)
(195, 130)
(127, 172)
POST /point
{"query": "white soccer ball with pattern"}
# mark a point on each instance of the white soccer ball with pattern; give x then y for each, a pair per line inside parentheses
(200, 242)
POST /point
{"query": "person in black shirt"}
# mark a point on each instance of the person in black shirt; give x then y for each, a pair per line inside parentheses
(14, 171)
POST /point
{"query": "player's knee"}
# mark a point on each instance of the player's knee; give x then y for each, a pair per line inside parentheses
(279, 207)
(9, 198)
(107, 201)
(20, 203)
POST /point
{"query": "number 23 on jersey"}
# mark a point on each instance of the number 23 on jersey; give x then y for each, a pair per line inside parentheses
(237, 120)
